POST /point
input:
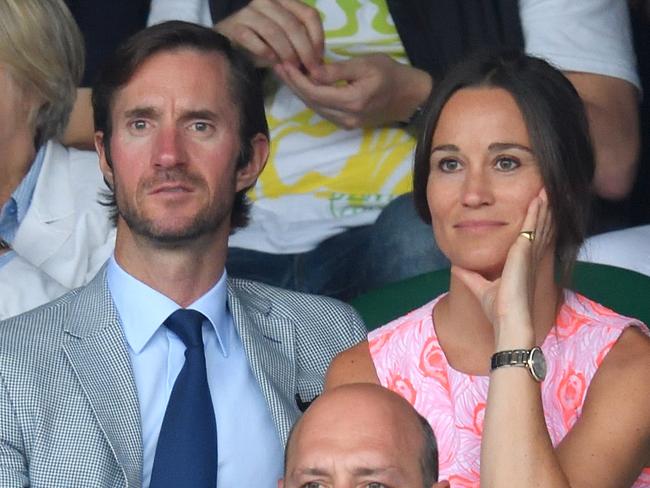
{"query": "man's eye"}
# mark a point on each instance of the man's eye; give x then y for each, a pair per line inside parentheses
(139, 124)
(374, 484)
(311, 484)
(200, 126)
(506, 164)
(449, 165)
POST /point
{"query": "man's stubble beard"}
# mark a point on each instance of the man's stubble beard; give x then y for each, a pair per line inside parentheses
(207, 220)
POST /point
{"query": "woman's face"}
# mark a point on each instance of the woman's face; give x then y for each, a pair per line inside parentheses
(483, 175)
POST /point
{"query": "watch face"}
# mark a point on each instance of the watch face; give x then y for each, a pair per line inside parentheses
(537, 364)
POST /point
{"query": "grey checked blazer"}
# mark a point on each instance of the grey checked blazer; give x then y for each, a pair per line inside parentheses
(69, 414)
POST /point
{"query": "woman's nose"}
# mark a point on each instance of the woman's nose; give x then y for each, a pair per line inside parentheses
(477, 189)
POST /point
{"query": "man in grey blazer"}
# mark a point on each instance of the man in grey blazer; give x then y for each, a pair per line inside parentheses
(85, 380)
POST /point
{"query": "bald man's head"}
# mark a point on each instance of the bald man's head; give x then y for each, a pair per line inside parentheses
(361, 433)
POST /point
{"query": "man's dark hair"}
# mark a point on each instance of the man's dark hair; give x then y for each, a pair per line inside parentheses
(558, 130)
(244, 85)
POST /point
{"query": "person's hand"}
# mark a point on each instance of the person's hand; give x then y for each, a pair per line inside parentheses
(507, 301)
(277, 31)
(364, 91)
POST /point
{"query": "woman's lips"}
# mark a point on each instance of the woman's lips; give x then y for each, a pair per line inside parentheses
(478, 225)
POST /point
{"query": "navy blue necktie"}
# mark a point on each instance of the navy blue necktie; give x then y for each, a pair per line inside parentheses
(186, 454)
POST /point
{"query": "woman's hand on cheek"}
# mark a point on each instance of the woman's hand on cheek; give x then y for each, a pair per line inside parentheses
(507, 300)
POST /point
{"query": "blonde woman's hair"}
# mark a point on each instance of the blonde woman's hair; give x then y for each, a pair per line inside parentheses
(41, 47)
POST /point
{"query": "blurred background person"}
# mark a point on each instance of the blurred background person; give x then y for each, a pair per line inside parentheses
(54, 233)
(630, 248)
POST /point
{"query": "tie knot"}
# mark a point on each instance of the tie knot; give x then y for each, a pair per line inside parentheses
(186, 324)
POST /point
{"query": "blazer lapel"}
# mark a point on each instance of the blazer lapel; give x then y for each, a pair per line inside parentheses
(97, 351)
(268, 341)
(49, 216)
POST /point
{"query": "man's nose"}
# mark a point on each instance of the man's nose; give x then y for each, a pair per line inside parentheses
(170, 148)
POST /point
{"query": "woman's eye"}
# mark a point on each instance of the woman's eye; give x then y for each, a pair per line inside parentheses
(449, 165)
(506, 164)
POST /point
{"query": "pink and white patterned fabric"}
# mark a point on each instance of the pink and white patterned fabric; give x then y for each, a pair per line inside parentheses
(410, 361)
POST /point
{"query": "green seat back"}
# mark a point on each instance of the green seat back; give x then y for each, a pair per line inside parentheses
(627, 292)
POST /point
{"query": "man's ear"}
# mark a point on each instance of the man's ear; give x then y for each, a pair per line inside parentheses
(247, 175)
(104, 165)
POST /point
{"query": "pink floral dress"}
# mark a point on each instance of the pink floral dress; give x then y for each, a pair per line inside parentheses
(409, 361)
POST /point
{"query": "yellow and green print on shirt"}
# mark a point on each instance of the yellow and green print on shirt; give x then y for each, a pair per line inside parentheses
(353, 170)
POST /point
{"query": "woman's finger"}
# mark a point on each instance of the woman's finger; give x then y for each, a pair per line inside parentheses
(547, 228)
(530, 226)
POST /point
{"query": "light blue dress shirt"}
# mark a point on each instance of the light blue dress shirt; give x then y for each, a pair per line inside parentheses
(250, 450)
(14, 210)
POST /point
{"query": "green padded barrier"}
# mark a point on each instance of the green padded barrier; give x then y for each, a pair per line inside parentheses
(627, 292)
(384, 304)
(622, 290)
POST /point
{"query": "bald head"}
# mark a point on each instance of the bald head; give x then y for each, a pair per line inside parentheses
(361, 433)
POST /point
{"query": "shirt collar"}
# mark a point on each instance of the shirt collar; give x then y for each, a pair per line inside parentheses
(140, 321)
(25, 190)
(21, 198)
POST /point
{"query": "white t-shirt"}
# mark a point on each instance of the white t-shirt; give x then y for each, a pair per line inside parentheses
(628, 248)
(321, 180)
(589, 36)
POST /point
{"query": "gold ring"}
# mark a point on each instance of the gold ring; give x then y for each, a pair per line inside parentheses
(528, 234)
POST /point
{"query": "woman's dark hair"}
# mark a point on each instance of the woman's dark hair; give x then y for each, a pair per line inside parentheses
(558, 130)
(244, 86)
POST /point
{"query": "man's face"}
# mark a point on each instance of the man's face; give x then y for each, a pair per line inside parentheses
(343, 445)
(174, 148)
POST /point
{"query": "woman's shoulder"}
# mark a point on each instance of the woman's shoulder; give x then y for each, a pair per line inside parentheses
(360, 364)
(615, 349)
(617, 398)
(584, 335)
(629, 348)
(581, 313)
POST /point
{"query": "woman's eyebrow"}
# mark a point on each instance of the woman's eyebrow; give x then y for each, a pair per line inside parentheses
(446, 147)
(504, 146)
